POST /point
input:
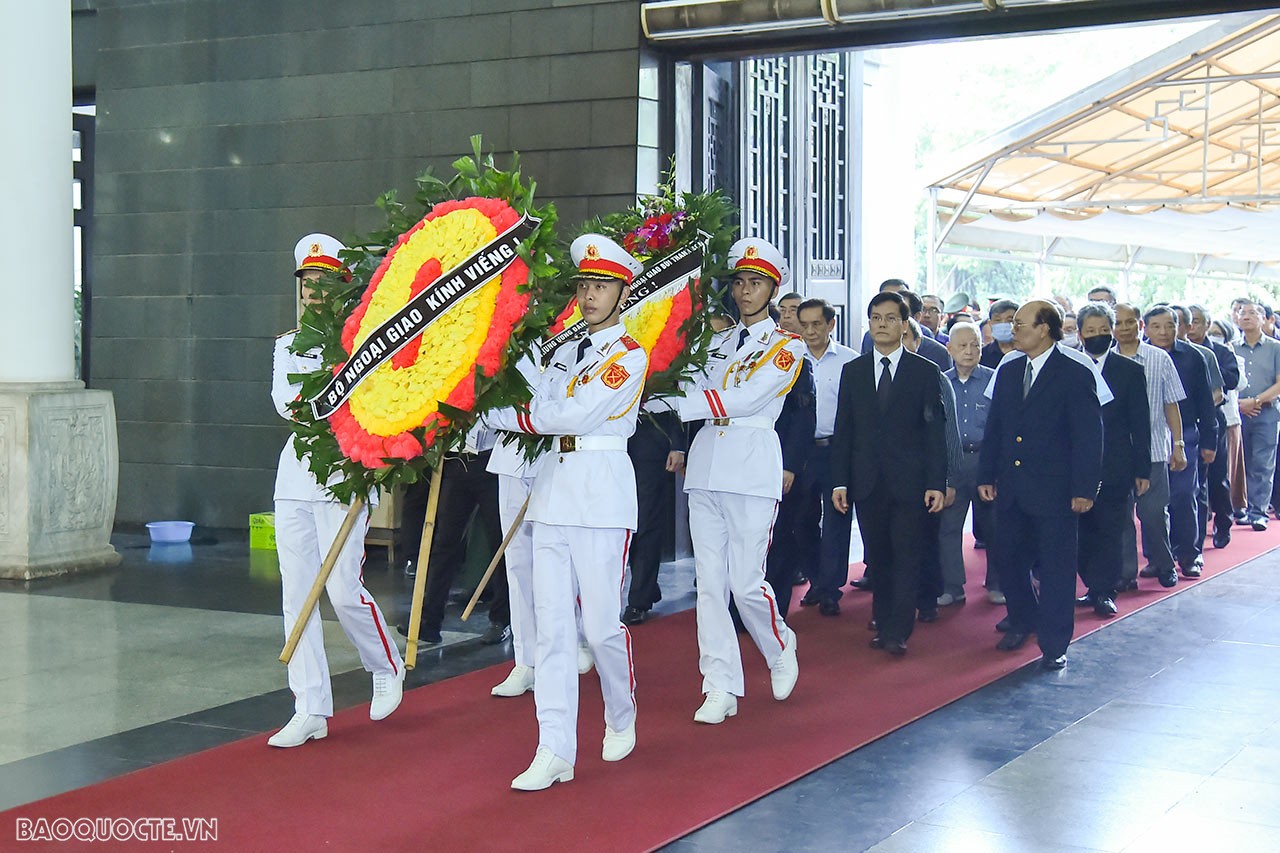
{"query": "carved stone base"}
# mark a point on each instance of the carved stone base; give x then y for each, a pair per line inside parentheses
(59, 470)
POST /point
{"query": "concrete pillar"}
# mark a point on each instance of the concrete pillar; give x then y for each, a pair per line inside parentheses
(58, 454)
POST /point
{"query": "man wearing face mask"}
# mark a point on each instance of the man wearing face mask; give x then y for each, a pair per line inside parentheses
(1001, 317)
(1070, 331)
(1126, 465)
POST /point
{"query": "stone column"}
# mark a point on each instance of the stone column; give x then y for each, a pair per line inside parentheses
(59, 460)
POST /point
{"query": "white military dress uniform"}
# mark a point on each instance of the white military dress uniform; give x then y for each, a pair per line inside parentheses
(515, 482)
(307, 519)
(734, 482)
(582, 511)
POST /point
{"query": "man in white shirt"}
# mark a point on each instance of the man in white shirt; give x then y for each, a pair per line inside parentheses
(818, 520)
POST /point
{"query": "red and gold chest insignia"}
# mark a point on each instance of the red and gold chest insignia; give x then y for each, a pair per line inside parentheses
(614, 376)
(784, 360)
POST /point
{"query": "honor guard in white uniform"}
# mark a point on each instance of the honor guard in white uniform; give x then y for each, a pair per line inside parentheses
(582, 512)
(307, 521)
(734, 483)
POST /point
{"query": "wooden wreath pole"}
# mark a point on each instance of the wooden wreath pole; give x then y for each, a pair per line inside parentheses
(493, 564)
(326, 568)
(424, 560)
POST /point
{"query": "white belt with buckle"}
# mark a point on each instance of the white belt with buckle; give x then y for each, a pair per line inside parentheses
(758, 421)
(570, 443)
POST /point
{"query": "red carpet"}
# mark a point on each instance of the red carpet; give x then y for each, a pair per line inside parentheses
(435, 775)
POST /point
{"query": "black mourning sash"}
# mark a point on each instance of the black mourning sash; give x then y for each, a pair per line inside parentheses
(680, 264)
(420, 312)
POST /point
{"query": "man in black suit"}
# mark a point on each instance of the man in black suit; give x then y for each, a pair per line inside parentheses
(657, 451)
(1126, 455)
(788, 553)
(889, 457)
(1215, 490)
(1041, 462)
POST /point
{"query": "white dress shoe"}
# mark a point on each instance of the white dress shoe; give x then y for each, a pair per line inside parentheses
(618, 745)
(716, 707)
(547, 769)
(517, 682)
(786, 670)
(299, 730)
(388, 690)
(585, 660)
(995, 596)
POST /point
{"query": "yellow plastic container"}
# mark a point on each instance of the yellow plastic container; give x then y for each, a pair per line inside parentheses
(262, 531)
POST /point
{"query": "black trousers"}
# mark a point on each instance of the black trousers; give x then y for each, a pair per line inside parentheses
(655, 496)
(1101, 548)
(894, 539)
(466, 489)
(931, 564)
(1049, 544)
(1215, 492)
(822, 533)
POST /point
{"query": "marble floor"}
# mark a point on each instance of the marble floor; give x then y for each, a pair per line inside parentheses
(1162, 734)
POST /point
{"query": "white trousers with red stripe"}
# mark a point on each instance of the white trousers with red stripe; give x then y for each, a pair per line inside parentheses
(591, 562)
(731, 534)
(304, 532)
(512, 493)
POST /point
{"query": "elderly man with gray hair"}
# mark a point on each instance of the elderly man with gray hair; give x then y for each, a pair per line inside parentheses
(968, 380)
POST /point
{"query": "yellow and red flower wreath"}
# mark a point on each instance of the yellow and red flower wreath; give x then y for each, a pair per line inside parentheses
(439, 365)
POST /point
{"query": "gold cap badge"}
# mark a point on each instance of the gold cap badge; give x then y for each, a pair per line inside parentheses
(593, 252)
(314, 250)
(751, 253)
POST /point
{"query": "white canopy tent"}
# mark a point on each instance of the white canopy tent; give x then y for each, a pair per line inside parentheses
(1174, 162)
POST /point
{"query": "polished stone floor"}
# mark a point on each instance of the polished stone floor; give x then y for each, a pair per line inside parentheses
(1163, 734)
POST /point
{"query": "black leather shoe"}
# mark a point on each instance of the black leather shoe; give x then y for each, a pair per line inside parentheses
(1012, 641)
(928, 615)
(1169, 578)
(495, 634)
(862, 583)
(800, 579)
(1105, 606)
(829, 608)
(1128, 586)
(877, 642)
(810, 599)
(1222, 538)
(1149, 571)
(979, 545)
(634, 616)
(1195, 569)
(1053, 664)
(895, 649)
(1084, 601)
(1004, 625)
(872, 626)
(425, 634)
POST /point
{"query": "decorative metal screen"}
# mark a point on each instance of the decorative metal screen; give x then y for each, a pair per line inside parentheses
(767, 174)
(796, 145)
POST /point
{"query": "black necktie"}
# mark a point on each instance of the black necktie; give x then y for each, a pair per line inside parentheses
(1026, 381)
(882, 387)
(582, 349)
(742, 338)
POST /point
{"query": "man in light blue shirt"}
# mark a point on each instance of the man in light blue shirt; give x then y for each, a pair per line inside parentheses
(817, 519)
(1259, 418)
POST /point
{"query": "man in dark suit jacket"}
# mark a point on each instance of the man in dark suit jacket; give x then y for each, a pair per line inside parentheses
(929, 348)
(787, 553)
(889, 457)
(1215, 488)
(1041, 462)
(1126, 465)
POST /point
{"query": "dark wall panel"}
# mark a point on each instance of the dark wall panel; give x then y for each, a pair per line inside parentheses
(228, 129)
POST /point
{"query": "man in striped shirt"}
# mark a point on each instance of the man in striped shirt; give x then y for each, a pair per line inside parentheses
(1164, 391)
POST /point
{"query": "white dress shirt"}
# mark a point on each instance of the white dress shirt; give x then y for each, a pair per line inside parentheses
(826, 379)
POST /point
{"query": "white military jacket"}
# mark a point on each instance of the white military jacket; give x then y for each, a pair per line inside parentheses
(740, 396)
(590, 406)
(294, 482)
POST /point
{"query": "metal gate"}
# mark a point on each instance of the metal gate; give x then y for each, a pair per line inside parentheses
(797, 184)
